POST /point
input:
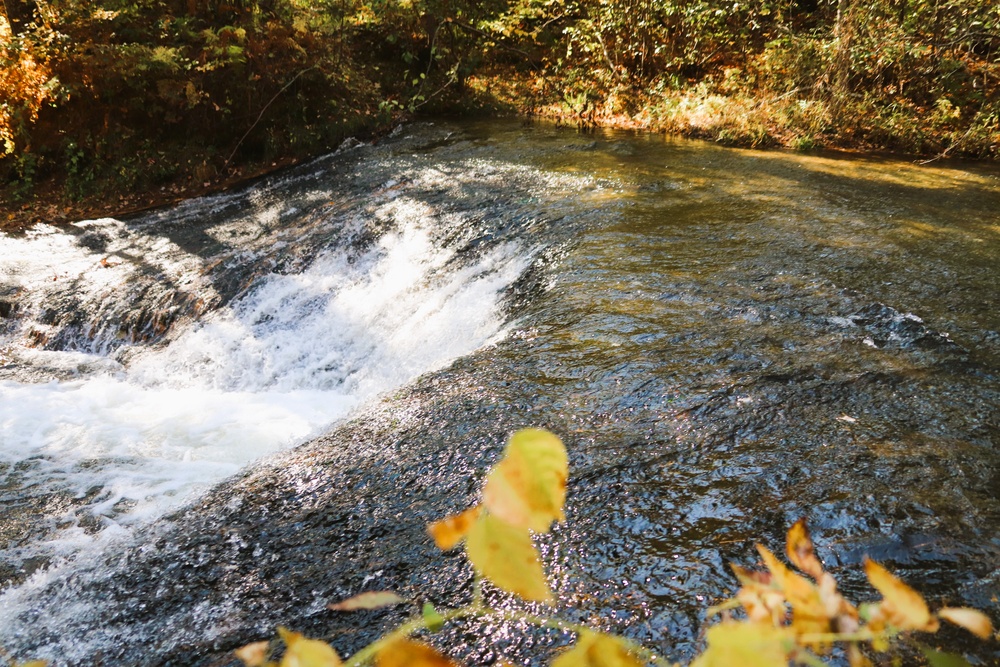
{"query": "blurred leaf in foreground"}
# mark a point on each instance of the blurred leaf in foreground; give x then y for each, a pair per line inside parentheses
(972, 620)
(302, 652)
(505, 555)
(408, 653)
(369, 600)
(595, 649)
(528, 487)
(745, 645)
(448, 532)
(901, 606)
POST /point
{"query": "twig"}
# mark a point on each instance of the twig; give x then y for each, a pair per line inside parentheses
(469, 28)
(261, 114)
(607, 56)
(430, 63)
(943, 154)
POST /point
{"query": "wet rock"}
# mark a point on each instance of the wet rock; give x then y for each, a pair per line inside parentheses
(710, 382)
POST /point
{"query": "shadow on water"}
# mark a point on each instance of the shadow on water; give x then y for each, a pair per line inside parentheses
(726, 341)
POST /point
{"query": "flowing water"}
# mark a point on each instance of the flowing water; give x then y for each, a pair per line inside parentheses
(726, 340)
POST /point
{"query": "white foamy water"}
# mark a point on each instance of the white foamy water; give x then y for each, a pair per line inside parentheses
(276, 366)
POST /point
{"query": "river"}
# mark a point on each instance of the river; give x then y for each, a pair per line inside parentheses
(219, 417)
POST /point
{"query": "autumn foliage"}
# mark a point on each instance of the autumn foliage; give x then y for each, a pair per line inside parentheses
(786, 616)
(130, 94)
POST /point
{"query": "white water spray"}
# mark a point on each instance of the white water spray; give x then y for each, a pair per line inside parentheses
(278, 365)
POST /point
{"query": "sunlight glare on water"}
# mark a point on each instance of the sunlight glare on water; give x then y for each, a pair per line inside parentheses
(295, 353)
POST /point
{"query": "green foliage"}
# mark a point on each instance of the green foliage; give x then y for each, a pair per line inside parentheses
(219, 84)
(788, 617)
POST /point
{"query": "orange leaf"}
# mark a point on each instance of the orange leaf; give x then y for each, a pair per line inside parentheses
(800, 550)
(408, 653)
(451, 530)
(974, 621)
(902, 606)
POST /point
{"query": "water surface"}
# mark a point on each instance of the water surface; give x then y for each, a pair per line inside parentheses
(726, 340)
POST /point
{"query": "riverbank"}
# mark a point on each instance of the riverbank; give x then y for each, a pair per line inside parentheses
(738, 121)
(113, 109)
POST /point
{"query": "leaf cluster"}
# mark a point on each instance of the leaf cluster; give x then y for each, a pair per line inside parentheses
(788, 616)
(796, 617)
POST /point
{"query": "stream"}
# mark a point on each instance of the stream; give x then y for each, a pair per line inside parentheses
(218, 418)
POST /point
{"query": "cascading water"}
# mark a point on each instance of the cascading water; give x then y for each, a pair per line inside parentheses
(318, 308)
(726, 340)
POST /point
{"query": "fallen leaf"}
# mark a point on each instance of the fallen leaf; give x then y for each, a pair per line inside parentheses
(369, 600)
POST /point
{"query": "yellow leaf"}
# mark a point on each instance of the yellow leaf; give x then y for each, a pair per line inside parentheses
(369, 600)
(302, 652)
(974, 621)
(528, 487)
(408, 653)
(762, 603)
(32, 663)
(745, 645)
(856, 658)
(800, 550)
(808, 611)
(451, 530)
(594, 649)
(505, 555)
(253, 655)
(903, 607)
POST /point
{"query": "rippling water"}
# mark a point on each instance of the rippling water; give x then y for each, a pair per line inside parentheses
(726, 340)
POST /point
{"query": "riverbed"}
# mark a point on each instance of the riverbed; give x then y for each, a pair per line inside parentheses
(219, 417)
